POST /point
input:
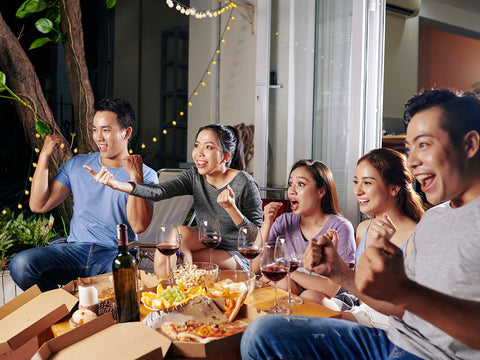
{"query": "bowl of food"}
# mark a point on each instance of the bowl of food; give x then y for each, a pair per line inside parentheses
(193, 274)
(229, 281)
(230, 287)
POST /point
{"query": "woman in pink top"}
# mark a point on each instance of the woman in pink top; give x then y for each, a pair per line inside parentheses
(315, 210)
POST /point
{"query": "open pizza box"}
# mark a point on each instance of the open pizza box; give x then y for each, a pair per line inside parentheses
(227, 344)
(30, 313)
(103, 339)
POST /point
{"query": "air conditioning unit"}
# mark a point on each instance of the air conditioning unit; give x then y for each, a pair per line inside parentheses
(403, 8)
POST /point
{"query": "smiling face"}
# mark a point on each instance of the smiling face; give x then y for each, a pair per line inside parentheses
(207, 153)
(373, 196)
(433, 159)
(303, 194)
(111, 139)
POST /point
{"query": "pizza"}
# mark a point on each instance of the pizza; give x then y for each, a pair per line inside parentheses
(202, 332)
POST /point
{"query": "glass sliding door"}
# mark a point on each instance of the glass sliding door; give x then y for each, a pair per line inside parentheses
(320, 87)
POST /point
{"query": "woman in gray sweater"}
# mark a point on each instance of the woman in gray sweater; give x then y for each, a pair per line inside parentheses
(220, 187)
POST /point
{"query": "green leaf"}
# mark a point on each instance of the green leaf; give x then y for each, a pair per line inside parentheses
(44, 25)
(3, 80)
(29, 7)
(39, 42)
(53, 15)
(110, 3)
(42, 128)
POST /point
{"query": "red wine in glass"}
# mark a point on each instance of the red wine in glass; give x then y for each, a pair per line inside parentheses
(209, 235)
(274, 273)
(250, 254)
(168, 243)
(211, 242)
(168, 249)
(294, 265)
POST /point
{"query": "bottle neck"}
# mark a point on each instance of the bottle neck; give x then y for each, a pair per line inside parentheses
(122, 237)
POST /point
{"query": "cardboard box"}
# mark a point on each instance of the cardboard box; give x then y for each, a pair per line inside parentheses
(30, 313)
(224, 345)
(103, 339)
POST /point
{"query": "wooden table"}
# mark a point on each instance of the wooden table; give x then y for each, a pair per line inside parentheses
(264, 297)
(261, 299)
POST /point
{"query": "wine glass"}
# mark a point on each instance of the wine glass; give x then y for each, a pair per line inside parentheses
(295, 254)
(209, 235)
(250, 244)
(274, 264)
(168, 243)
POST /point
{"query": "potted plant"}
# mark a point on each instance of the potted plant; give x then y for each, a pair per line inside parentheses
(17, 233)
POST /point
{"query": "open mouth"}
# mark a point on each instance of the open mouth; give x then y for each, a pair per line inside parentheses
(293, 205)
(102, 147)
(362, 202)
(201, 164)
(426, 181)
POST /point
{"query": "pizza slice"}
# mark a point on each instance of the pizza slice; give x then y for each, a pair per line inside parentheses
(201, 332)
(234, 301)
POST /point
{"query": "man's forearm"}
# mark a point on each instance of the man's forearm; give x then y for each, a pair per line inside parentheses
(457, 317)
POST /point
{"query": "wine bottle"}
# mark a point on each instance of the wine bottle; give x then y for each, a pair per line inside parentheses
(125, 279)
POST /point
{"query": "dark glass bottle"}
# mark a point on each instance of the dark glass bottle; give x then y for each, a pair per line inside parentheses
(125, 279)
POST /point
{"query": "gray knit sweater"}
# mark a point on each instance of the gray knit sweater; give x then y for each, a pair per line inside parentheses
(190, 182)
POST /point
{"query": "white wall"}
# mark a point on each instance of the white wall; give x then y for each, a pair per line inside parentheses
(401, 61)
(237, 71)
(401, 52)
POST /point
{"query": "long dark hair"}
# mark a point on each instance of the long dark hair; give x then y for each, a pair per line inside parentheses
(230, 142)
(323, 178)
(392, 167)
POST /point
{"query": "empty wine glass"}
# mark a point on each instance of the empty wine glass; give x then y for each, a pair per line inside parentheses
(168, 243)
(209, 235)
(250, 244)
(274, 264)
(295, 254)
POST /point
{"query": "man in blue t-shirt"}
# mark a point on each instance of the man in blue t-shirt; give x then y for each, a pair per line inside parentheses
(92, 244)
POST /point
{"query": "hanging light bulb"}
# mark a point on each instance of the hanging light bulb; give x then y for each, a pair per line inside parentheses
(182, 113)
(4, 212)
(143, 146)
(19, 206)
(164, 131)
(195, 93)
(154, 139)
(130, 151)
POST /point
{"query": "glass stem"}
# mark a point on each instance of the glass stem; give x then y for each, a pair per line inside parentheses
(211, 257)
(250, 268)
(169, 268)
(275, 287)
(289, 287)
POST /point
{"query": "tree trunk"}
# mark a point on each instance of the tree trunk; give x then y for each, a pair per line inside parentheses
(23, 80)
(77, 73)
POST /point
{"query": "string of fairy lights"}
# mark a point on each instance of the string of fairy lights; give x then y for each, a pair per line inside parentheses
(202, 83)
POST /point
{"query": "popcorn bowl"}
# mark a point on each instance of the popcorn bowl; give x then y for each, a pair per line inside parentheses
(193, 274)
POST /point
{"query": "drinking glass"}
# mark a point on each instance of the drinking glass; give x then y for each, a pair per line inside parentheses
(209, 235)
(295, 254)
(168, 243)
(250, 245)
(274, 264)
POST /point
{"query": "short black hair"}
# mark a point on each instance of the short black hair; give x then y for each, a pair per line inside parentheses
(461, 111)
(121, 107)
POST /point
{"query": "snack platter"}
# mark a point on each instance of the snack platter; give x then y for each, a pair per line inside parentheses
(199, 323)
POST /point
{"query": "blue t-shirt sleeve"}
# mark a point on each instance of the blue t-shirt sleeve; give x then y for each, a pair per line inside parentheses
(63, 173)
